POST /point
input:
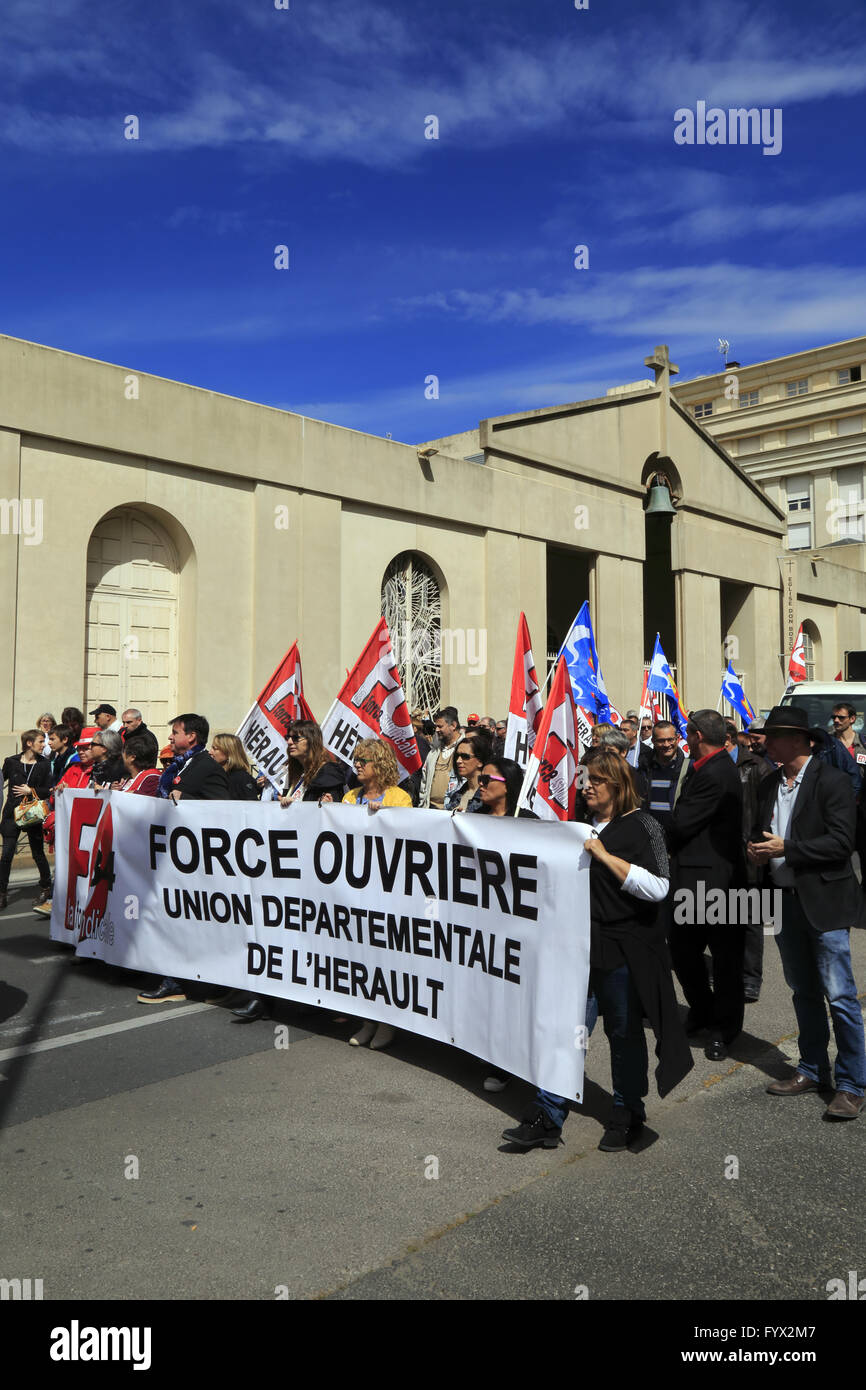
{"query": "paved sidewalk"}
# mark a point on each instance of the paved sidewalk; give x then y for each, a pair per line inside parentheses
(312, 1169)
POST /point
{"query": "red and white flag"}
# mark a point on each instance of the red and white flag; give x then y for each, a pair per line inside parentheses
(525, 706)
(371, 704)
(549, 786)
(797, 664)
(263, 732)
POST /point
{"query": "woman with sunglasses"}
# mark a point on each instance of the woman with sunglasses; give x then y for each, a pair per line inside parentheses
(377, 772)
(310, 775)
(472, 752)
(500, 781)
(630, 966)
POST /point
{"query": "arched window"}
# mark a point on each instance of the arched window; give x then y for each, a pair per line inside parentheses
(811, 648)
(412, 608)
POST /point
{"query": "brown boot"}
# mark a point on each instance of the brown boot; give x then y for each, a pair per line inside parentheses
(44, 896)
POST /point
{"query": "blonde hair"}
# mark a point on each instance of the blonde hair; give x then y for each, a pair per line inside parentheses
(235, 753)
(382, 757)
(615, 770)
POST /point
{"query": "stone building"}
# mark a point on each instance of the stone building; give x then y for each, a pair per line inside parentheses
(161, 546)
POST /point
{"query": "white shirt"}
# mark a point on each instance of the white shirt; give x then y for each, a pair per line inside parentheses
(786, 800)
(640, 882)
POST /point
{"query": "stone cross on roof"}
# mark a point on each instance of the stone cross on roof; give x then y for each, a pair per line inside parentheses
(663, 367)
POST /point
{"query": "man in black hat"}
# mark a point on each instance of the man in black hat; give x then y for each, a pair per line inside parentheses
(806, 819)
(705, 839)
(105, 717)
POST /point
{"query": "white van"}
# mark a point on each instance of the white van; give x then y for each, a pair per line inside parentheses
(818, 699)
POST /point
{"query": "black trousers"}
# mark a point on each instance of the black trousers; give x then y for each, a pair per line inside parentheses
(753, 956)
(10, 832)
(722, 1007)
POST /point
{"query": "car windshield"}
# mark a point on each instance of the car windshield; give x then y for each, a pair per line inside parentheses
(819, 708)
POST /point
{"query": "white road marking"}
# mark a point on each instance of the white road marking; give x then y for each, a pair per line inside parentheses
(87, 1034)
(10, 916)
(44, 960)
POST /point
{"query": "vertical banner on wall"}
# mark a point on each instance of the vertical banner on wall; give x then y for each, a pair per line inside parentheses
(263, 732)
(371, 704)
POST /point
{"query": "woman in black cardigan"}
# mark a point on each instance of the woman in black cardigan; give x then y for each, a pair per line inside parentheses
(24, 772)
(630, 968)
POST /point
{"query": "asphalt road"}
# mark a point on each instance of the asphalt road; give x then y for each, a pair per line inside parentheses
(168, 1152)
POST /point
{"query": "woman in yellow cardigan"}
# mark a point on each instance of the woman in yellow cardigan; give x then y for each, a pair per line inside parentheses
(377, 772)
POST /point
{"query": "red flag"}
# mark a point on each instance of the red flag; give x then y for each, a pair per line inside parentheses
(797, 664)
(525, 705)
(839, 677)
(371, 704)
(263, 732)
(549, 786)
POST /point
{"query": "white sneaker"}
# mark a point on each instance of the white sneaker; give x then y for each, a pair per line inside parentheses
(496, 1082)
(363, 1036)
(385, 1035)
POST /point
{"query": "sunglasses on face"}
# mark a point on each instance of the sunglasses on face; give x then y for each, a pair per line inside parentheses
(464, 757)
(295, 738)
(361, 762)
(487, 777)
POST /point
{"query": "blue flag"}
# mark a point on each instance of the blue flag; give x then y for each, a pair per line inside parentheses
(581, 659)
(661, 680)
(732, 691)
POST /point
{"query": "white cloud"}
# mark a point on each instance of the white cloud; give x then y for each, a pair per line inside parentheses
(355, 80)
(819, 302)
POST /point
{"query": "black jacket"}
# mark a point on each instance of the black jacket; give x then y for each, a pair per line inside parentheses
(202, 779)
(242, 787)
(705, 834)
(37, 776)
(819, 844)
(331, 777)
(134, 733)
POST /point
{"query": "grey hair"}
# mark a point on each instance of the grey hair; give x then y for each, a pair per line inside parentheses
(111, 742)
(612, 738)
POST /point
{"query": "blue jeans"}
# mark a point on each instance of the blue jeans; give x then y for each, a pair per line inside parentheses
(817, 966)
(613, 995)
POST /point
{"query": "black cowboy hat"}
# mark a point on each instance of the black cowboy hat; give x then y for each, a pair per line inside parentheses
(790, 719)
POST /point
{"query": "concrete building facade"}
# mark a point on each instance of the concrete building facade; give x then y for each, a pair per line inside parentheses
(162, 545)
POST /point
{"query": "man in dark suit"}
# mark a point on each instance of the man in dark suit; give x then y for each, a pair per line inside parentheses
(807, 820)
(193, 775)
(705, 838)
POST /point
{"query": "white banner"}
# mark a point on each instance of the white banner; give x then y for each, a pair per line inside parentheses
(466, 929)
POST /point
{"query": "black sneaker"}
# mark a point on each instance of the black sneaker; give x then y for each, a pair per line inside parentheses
(534, 1129)
(622, 1129)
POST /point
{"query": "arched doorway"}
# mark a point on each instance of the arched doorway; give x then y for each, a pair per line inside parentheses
(412, 608)
(131, 634)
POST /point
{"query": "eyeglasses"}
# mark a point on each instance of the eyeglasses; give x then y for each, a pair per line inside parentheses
(597, 781)
(464, 757)
(361, 762)
(487, 777)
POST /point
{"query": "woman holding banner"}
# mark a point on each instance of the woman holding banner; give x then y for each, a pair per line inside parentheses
(229, 752)
(472, 752)
(310, 775)
(377, 772)
(630, 968)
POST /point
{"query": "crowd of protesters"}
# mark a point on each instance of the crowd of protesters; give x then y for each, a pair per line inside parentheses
(777, 805)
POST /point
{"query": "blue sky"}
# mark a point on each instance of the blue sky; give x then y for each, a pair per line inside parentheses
(411, 256)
